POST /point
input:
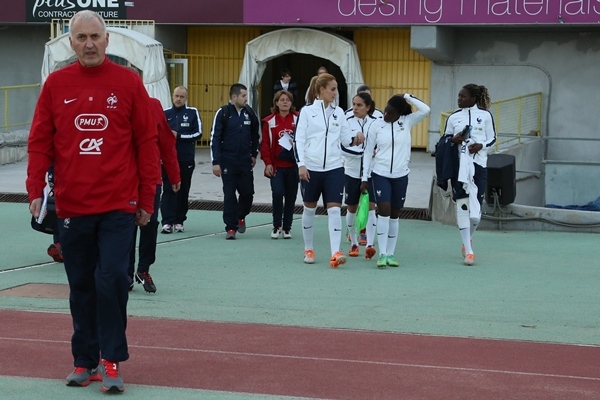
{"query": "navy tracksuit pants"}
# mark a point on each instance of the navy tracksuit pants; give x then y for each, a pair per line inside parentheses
(148, 236)
(237, 178)
(284, 185)
(96, 251)
(174, 205)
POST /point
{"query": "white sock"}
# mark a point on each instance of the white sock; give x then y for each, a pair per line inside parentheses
(392, 235)
(383, 227)
(474, 225)
(350, 219)
(464, 224)
(308, 228)
(371, 228)
(334, 216)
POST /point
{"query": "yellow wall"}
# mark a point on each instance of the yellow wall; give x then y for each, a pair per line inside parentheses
(215, 56)
(390, 67)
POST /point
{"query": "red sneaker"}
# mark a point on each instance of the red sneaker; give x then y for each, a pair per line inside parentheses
(370, 252)
(55, 253)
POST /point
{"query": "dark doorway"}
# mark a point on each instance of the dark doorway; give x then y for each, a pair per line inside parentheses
(303, 67)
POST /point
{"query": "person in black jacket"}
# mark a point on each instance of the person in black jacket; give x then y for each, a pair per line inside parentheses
(234, 148)
(286, 83)
(186, 125)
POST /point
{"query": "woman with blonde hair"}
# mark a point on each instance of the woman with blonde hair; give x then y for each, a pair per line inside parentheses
(321, 130)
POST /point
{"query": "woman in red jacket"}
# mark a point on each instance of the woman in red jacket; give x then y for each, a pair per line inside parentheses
(280, 163)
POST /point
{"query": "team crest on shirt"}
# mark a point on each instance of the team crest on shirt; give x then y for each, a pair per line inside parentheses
(185, 122)
(111, 101)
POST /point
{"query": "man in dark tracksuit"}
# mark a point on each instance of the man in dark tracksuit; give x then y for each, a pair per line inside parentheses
(234, 147)
(186, 123)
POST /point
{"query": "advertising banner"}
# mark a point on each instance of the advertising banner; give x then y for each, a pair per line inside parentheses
(420, 12)
(46, 10)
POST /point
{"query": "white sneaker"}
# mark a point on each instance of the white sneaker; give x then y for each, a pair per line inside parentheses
(166, 229)
(287, 234)
(275, 234)
(179, 228)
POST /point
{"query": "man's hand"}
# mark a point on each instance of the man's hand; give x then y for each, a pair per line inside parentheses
(35, 207)
(269, 170)
(142, 217)
(217, 170)
(174, 133)
(303, 173)
(176, 187)
(253, 161)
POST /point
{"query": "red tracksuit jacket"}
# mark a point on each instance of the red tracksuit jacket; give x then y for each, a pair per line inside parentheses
(96, 125)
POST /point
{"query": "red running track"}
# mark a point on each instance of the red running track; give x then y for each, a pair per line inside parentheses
(312, 362)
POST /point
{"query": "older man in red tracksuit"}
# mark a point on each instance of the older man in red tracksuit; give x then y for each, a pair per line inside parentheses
(93, 120)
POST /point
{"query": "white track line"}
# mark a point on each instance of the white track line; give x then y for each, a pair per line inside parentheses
(329, 359)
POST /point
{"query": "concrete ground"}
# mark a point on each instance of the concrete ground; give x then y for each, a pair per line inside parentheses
(526, 286)
(206, 186)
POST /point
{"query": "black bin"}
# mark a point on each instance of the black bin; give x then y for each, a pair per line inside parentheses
(501, 179)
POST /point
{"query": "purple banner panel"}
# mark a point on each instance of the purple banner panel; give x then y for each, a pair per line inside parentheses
(420, 12)
(190, 12)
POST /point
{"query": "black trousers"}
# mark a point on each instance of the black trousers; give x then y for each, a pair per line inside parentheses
(96, 250)
(174, 205)
(237, 179)
(284, 186)
(148, 236)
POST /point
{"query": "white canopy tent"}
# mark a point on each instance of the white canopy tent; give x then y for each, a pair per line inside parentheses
(335, 48)
(141, 50)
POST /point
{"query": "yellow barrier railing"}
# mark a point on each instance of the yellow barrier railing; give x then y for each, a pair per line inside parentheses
(17, 104)
(513, 118)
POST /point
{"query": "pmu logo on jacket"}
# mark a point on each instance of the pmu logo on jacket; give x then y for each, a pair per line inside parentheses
(91, 122)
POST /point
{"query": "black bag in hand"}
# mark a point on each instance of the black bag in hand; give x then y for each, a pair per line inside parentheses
(48, 224)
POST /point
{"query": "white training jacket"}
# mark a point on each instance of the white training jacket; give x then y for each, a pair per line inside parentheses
(393, 143)
(318, 137)
(483, 132)
(353, 156)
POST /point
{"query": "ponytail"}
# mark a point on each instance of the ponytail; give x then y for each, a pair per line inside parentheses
(481, 93)
(312, 90)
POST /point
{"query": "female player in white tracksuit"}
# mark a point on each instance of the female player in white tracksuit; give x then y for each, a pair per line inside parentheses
(360, 118)
(320, 131)
(390, 168)
(471, 127)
